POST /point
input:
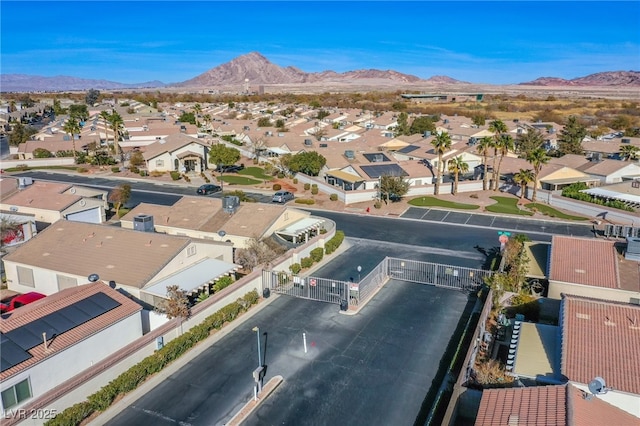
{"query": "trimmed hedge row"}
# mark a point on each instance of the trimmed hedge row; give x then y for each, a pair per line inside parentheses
(307, 201)
(130, 379)
(333, 244)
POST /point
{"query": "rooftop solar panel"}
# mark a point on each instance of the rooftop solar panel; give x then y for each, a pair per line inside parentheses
(61, 321)
(375, 171)
(11, 354)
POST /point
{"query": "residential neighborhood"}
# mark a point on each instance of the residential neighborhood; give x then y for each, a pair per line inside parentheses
(122, 272)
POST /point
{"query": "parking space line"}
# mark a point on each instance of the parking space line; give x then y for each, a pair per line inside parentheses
(445, 216)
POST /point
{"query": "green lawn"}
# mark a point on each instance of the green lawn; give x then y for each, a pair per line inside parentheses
(429, 201)
(256, 172)
(22, 169)
(507, 205)
(239, 180)
(550, 211)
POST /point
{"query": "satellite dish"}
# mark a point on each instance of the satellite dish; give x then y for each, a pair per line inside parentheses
(598, 386)
(72, 190)
(93, 278)
(221, 233)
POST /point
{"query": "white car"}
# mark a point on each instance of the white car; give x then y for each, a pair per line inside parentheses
(282, 197)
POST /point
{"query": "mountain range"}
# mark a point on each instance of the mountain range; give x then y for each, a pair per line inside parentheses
(254, 69)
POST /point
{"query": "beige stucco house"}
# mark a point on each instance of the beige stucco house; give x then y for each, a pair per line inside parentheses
(177, 152)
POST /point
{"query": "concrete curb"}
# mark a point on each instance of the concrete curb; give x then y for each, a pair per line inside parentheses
(251, 405)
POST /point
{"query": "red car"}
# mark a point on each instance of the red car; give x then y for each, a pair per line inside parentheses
(20, 300)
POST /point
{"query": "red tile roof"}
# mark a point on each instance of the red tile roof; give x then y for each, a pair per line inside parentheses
(584, 261)
(50, 304)
(557, 405)
(601, 338)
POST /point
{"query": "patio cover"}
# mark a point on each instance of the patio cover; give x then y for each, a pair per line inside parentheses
(537, 352)
(192, 277)
(301, 226)
(614, 195)
(344, 176)
(538, 254)
(278, 151)
(394, 144)
(483, 133)
(562, 181)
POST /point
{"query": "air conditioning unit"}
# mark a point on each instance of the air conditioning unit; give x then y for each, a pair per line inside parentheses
(143, 223)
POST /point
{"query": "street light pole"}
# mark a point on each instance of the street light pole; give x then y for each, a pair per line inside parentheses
(257, 330)
(359, 268)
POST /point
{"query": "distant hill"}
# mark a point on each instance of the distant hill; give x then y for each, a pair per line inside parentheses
(259, 70)
(36, 83)
(256, 69)
(610, 78)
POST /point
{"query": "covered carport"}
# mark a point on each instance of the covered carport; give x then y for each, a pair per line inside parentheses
(631, 200)
(346, 181)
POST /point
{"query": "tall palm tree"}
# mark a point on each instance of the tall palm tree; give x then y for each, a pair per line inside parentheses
(116, 122)
(537, 158)
(442, 144)
(484, 146)
(498, 128)
(523, 178)
(456, 166)
(197, 110)
(72, 126)
(629, 152)
(504, 145)
(105, 117)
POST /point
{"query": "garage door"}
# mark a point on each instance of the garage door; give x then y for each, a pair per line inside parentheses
(89, 216)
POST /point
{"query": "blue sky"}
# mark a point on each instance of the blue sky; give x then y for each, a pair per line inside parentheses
(482, 42)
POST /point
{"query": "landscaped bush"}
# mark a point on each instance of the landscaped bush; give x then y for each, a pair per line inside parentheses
(377, 204)
(156, 173)
(314, 190)
(573, 191)
(115, 169)
(295, 181)
(130, 379)
(316, 254)
(82, 170)
(307, 186)
(323, 231)
(306, 262)
(333, 244)
(134, 169)
(222, 283)
(305, 201)
(280, 175)
(174, 175)
(333, 197)
(277, 187)
(295, 268)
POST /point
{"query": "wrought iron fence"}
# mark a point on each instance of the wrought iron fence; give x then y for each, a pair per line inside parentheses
(314, 288)
(457, 277)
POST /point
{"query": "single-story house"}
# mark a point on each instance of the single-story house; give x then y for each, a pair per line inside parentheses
(55, 338)
(177, 152)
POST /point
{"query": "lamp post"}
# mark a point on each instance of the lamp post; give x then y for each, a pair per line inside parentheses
(257, 330)
(220, 178)
(359, 268)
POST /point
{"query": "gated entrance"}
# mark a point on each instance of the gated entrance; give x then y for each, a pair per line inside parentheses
(346, 293)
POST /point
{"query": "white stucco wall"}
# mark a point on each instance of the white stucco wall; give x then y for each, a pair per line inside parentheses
(625, 401)
(54, 370)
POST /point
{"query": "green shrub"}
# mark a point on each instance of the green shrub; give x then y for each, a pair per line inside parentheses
(333, 197)
(316, 254)
(333, 244)
(314, 185)
(295, 181)
(223, 282)
(82, 170)
(115, 169)
(130, 379)
(306, 262)
(307, 186)
(295, 268)
(280, 175)
(323, 231)
(134, 169)
(175, 175)
(305, 201)
(314, 190)
(377, 204)
(277, 187)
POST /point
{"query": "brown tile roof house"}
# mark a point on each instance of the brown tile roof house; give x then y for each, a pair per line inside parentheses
(130, 258)
(601, 339)
(44, 195)
(557, 405)
(38, 310)
(169, 144)
(583, 261)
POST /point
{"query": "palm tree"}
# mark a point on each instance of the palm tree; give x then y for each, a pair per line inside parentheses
(116, 122)
(504, 145)
(456, 166)
(197, 110)
(629, 152)
(523, 178)
(498, 128)
(484, 146)
(442, 144)
(537, 158)
(105, 117)
(72, 126)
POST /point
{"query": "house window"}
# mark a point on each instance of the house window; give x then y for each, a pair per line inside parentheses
(16, 394)
(25, 276)
(66, 282)
(159, 163)
(191, 250)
